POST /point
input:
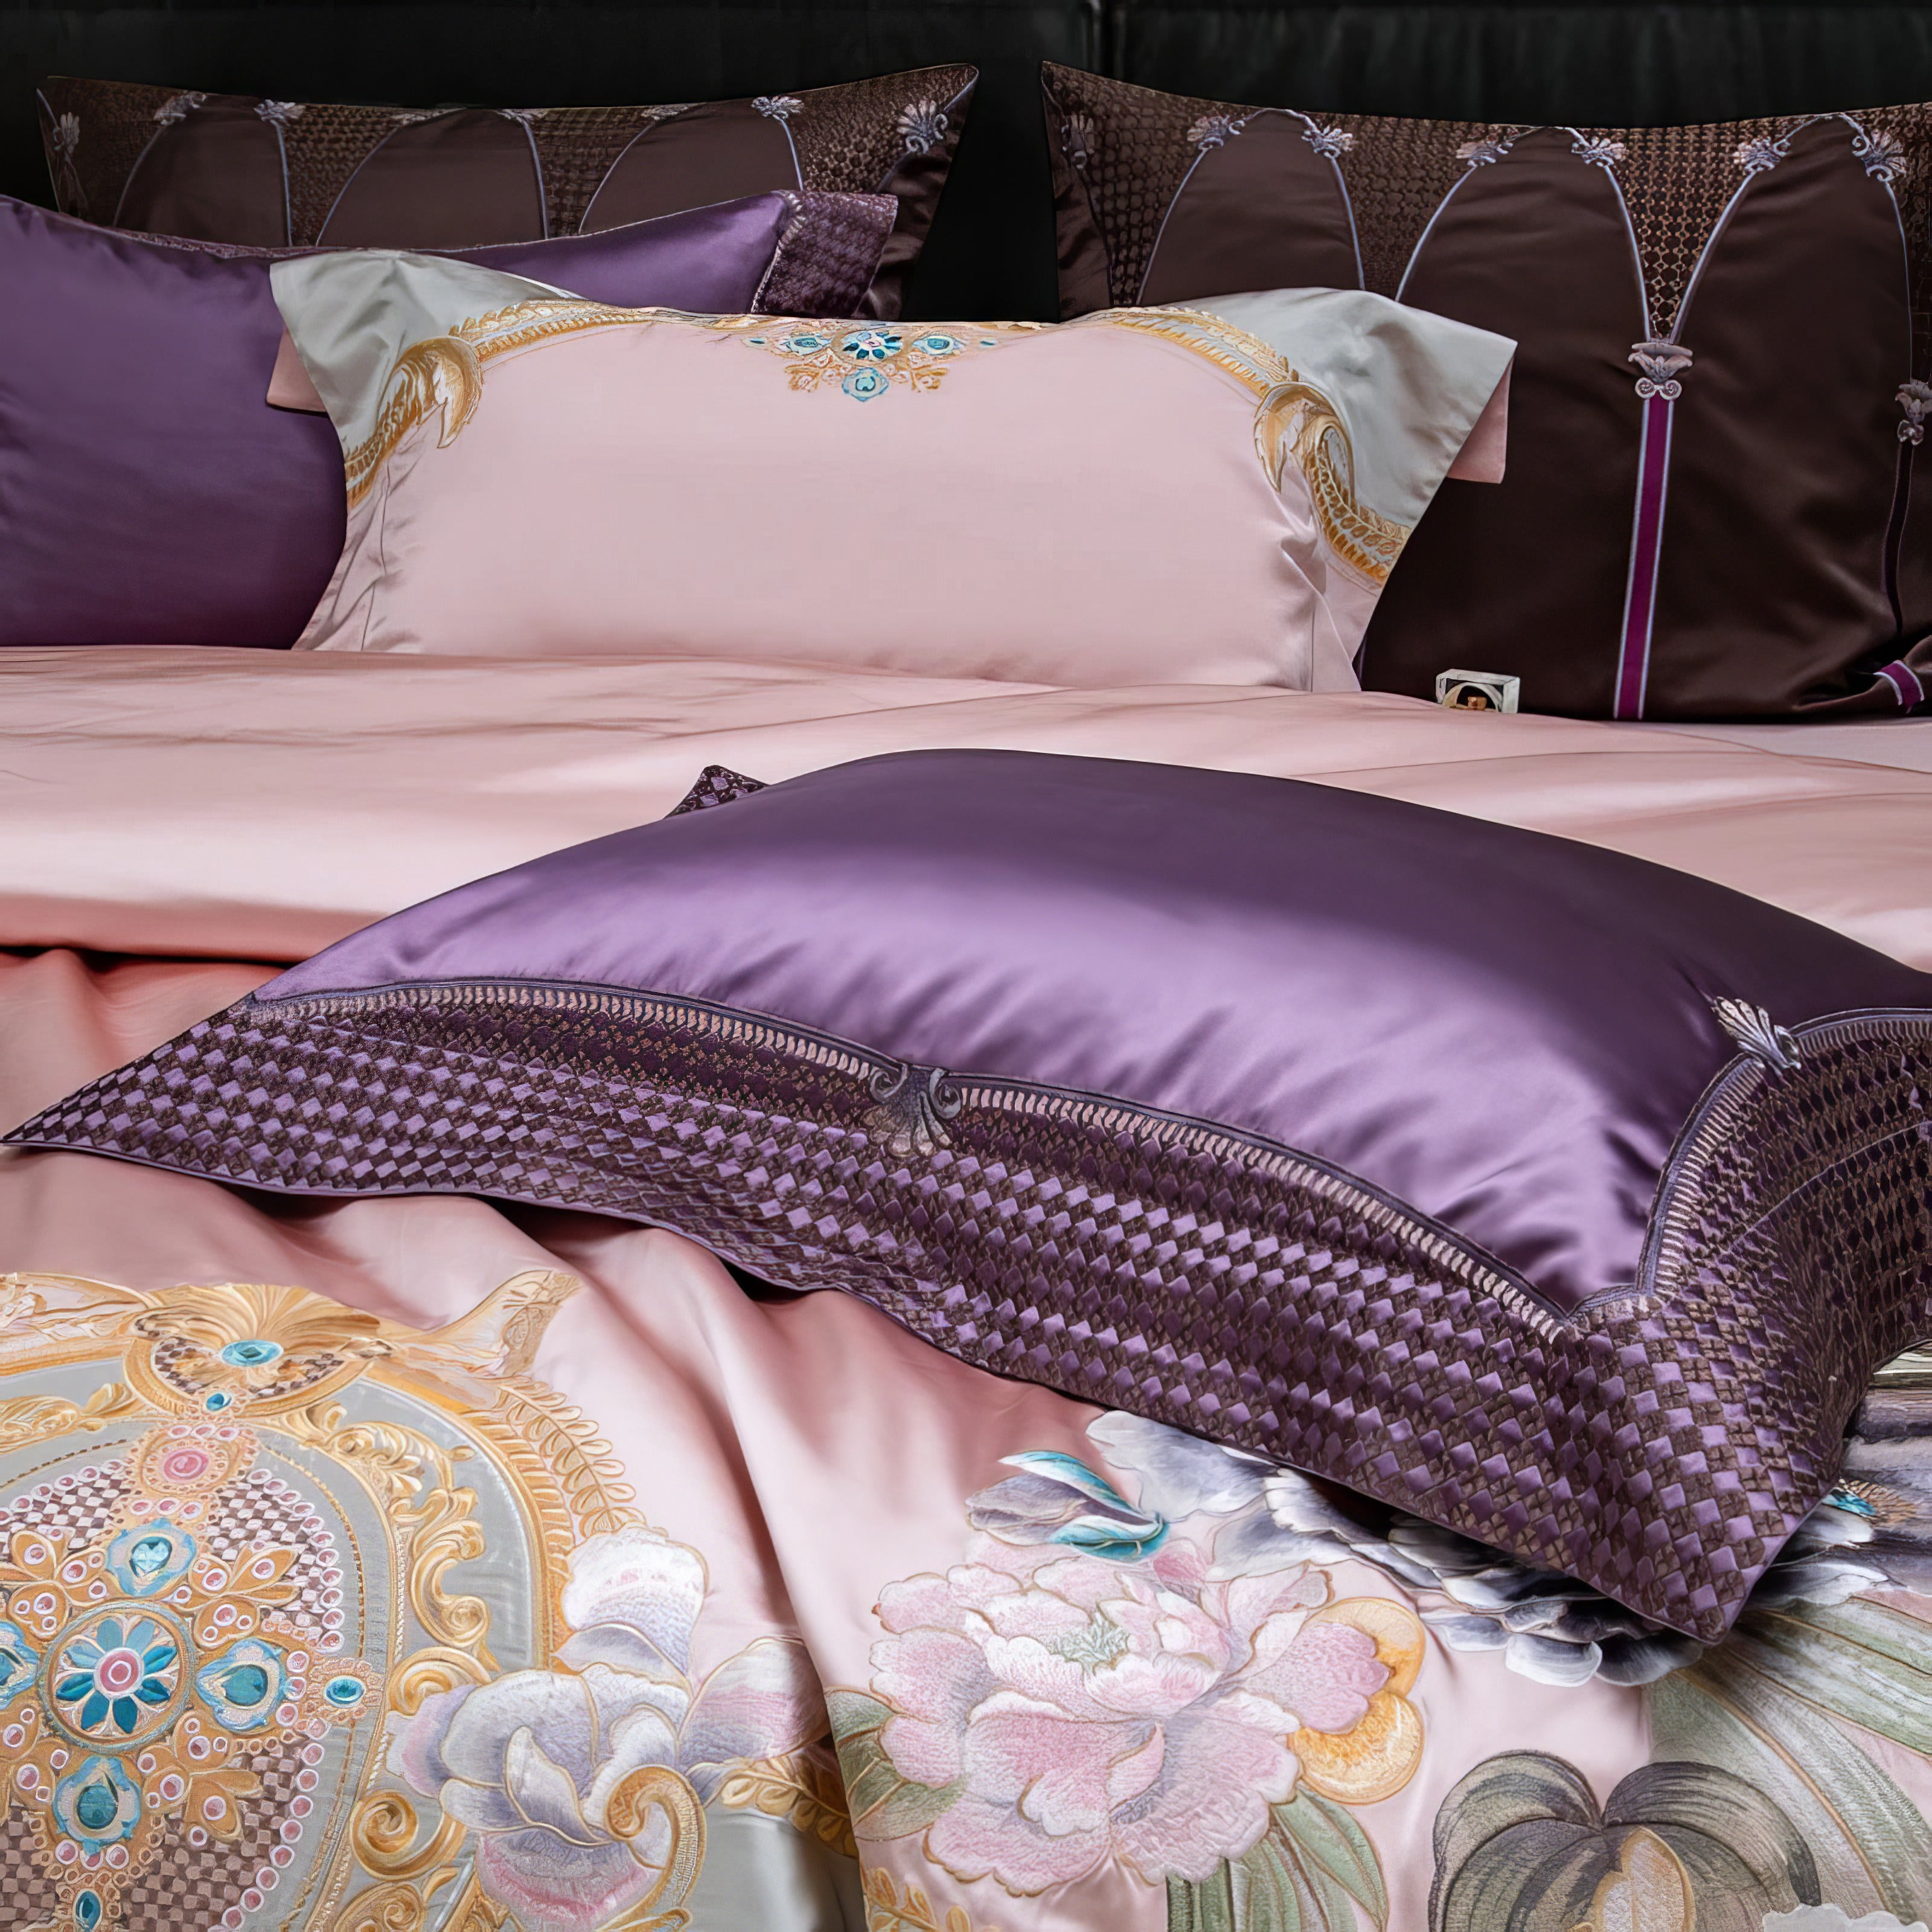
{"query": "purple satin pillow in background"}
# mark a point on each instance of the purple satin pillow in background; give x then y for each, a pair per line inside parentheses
(150, 495)
(1566, 1201)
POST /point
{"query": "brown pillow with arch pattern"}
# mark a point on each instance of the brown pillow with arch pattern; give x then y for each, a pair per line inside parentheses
(1719, 392)
(230, 167)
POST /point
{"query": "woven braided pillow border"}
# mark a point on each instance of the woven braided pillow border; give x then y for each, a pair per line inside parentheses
(1659, 1445)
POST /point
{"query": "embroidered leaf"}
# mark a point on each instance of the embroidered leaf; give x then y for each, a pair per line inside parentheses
(1868, 1839)
(1309, 1873)
(1859, 1661)
(1330, 1844)
(883, 1805)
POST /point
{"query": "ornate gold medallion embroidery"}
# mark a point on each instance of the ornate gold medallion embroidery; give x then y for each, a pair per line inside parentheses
(276, 1575)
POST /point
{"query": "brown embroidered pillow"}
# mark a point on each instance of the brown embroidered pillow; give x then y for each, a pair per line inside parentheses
(230, 167)
(1719, 395)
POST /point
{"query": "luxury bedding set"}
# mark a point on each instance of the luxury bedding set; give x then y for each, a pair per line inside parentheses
(789, 1148)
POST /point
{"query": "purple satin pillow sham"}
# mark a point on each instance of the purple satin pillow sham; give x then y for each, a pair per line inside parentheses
(149, 494)
(1560, 1198)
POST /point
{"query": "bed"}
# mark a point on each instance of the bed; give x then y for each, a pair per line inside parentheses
(386, 1545)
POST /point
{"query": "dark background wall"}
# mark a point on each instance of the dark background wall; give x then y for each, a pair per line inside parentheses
(991, 250)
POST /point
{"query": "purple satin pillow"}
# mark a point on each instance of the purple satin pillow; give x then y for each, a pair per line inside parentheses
(1562, 1199)
(149, 494)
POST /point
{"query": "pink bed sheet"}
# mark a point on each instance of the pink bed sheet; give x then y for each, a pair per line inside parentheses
(1099, 1767)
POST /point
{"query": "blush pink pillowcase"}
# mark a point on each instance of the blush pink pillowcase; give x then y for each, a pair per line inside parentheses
(1143, 496)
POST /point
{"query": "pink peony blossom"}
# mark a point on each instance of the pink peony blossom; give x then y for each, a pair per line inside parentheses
(1089, 1710)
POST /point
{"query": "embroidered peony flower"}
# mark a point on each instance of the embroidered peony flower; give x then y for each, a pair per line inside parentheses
(177, 107)
(1484, 153)
(777, 107)
(1599, 150)
(582, 1785)
(280, 113)
(1076, 138)
(1754, 156)
(1883, 154)
(66, 137)
(1330, 143)
(1081, 1710)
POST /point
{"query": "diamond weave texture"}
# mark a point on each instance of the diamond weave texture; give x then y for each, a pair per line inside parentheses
(1660, 1445)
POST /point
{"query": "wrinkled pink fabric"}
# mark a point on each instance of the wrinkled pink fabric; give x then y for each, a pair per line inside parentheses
(254, 806)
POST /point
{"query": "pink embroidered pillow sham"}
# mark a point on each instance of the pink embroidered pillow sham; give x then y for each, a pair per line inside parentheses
(1143, 496)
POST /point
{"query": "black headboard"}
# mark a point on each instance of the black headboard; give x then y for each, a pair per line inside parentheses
(991, 250)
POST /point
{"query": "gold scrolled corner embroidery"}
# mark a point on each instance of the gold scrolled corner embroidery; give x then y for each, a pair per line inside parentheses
(1294, 419)
(443, 374)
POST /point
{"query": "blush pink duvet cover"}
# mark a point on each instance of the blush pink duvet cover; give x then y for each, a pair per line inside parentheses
(823, 1529)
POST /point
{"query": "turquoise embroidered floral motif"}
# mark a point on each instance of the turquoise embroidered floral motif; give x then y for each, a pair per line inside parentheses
(867, 360)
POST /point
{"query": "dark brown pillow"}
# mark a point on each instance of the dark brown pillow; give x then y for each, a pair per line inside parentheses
(1709, 509)
(230, 167)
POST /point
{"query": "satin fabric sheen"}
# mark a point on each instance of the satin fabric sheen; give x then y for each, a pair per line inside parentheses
(149, 495)
(1504, 1031)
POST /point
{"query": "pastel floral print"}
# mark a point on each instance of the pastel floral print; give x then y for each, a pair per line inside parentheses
(1091, 1711)
(1094, 1689)
(583, 1785)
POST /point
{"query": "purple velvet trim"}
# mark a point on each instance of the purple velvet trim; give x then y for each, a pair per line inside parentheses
(149, 495)
(1646, 546)
(1505, 1030)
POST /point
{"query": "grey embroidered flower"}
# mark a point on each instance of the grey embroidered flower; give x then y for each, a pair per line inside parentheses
(922, 126)
(1213, 130)
(280, 113)
(1482, 154)
(408, 117)
(1076, 138)
(66, 136)
(1755, 156)
(1915, 398)
(1661, 363)
(1598, 150)
(1330, 143)
(523, 115)
(177, 107)
(1883, 154)
(777, 106)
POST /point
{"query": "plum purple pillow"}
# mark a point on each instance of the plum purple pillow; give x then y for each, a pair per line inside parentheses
(150, 495)
(1565, 1200)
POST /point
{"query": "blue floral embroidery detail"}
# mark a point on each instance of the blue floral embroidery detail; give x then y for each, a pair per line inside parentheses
(145, 1561)
(242, 1687)
(18, 1660)
(870, 360)
(96, 1804)
(112, 1677)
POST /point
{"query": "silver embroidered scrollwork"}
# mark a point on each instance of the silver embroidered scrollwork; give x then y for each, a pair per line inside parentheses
(777, 107)
(1758, 1033)
(1487, 152)
(177, 107)
(1914, 399)
(1213, 130)
(1765, 151)
(1599, 150)
(280, 113)
(922, 126)
(1661, 363)
(1331, 143)
(913, 1106)
(1883, 154)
